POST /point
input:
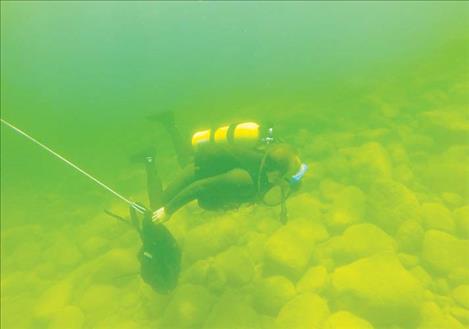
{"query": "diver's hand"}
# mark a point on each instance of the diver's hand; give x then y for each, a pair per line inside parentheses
(159, 215)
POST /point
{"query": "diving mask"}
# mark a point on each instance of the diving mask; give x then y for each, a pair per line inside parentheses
(296, 178)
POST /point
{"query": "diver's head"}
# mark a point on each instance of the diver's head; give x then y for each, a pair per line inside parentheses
(284, 172)
(281, 162)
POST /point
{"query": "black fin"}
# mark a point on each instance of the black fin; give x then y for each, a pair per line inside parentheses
(119, 218)
(164, 117)
(144, 156)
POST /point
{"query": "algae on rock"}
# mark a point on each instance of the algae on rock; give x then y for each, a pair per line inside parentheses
(344, 319)
(289, 249)
(306, 311)
(445, 253)
(391, 203)
(270, 294)
(389, 296)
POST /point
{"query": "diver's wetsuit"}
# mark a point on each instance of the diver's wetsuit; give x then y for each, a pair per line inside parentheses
(220, 177)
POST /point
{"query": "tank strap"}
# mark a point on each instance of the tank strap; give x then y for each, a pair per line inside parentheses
(211, 137)
(230, 132)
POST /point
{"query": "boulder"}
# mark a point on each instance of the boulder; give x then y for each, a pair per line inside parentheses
(348, 208)
(433, 317)
(70, 317)
(232, 311)
(447, 171)
(304, 203)
(444, 252)
(53, 300)
(336, 166)
(16, 312)
(409, 236)
(329, 189)
(390, 204)
(437, 216)
(63, 252)
(461, 314)
(27, 256)
(448, 121)
(116, 264)
(461, 295)
(267, 224)
(119, 323)
(369, 162)
(461, 216)
(94, 246)
(314, 280)
(388, 296)
(205, 273)
(188, 307)
(47, 270)
(420, 274)
(344, 319)
(307, 311)
(408, 260)
(357, 241)
(452, 199)
(398, 153)
(288, 250)
(255, 245)
(98, 301)
(403, 174)
(266, 322)
(441, 287)
(237, 266)
(210, 238)
(270, 294)
(459, 276)
(14, 284)
(11, 237)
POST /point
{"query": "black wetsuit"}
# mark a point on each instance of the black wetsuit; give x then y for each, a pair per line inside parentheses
(220, 177)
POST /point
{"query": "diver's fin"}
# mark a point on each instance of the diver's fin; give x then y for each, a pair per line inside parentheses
(144, 156)
(126, 275)
(134, 221)
(164, 117)
(119, 218)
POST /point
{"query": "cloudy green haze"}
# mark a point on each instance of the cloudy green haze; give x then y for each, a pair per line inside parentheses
(373, 94)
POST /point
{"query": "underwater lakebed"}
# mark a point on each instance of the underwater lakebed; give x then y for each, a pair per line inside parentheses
(362, 252)
(377, 236)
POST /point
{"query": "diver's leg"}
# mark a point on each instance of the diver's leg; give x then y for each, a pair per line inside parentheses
(183, 150)
(154, 186)
(235, 186)
(185, 178)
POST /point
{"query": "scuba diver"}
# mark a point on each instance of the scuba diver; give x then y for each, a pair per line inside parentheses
(226, 167)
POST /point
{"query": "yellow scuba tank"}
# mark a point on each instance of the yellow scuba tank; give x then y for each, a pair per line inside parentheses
(247, 133)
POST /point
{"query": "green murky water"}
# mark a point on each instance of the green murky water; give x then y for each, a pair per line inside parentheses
(374, 95)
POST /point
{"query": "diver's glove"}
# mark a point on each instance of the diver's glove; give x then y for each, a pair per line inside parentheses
(159, 215)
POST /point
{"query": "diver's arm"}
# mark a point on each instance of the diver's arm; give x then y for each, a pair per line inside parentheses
(186, 178)
(187, 195)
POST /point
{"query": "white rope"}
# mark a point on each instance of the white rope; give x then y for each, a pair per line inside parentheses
(71, 164)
